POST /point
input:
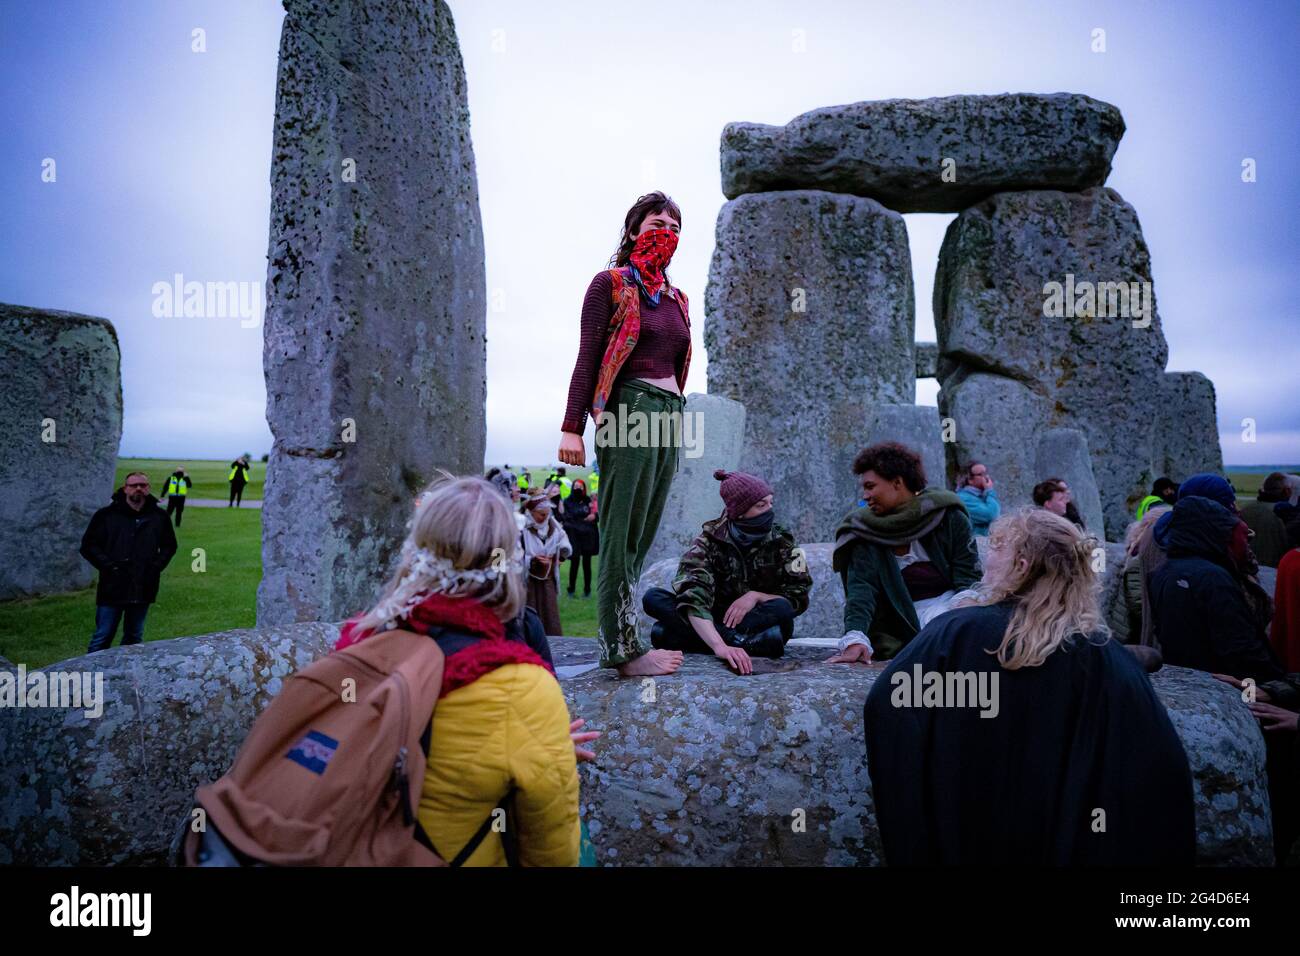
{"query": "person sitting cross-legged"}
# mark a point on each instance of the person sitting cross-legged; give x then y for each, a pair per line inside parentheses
(740, 585)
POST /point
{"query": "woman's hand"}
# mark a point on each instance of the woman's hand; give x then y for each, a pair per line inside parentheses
(1275, 718)
(1261, 696)
(573, 451)
(581, 738)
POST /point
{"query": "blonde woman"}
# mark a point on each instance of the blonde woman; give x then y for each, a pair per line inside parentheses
(1015, 731)
(502, 733)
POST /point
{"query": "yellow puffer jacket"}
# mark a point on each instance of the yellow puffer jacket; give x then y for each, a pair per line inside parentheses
(508, 728)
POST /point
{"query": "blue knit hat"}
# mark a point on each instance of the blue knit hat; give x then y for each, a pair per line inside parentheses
(1209, 486)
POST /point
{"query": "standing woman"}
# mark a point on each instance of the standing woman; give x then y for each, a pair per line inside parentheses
(633, 357)
(545, 545)
(579, 517)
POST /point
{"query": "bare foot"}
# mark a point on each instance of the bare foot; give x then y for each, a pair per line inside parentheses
(651, 664)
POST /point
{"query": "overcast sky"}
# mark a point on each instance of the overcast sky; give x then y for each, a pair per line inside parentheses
(162, 157)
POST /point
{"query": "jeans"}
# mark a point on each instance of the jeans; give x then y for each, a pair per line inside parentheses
(679, 635)
(106, 618)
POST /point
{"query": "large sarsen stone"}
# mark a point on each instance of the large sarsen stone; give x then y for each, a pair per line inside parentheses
(898, 151)
(374, 350)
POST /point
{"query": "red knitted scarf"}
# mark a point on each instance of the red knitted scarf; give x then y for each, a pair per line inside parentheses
(457, 614)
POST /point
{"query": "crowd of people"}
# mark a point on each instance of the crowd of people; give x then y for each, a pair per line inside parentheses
(1080, 763)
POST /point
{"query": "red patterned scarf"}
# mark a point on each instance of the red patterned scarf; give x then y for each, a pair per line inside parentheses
(653, 251)
(466, 616)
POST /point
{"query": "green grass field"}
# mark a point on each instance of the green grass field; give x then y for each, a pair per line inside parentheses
(209, 477)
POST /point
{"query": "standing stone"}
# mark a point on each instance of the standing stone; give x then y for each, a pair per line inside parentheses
(917, 427)
(997, 422)
(809, 323)
(375, 351)
(1188, 430)
(1063, 453)
(716, 428)
(61, 415)
(1011, 301)
(934, 155)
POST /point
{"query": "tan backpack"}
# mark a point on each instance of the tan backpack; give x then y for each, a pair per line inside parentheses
(331, 772)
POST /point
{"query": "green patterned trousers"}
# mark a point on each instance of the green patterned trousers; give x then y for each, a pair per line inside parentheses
(637, 447)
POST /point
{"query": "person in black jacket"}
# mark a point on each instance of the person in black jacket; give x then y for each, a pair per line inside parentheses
(578, 515)
(1203, 619)
(238, 478)
(129, 543)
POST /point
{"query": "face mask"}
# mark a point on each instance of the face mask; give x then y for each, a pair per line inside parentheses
(653, 251)
(747, 531)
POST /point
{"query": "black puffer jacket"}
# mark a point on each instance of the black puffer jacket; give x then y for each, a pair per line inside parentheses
(1202, 617)
(129, 549)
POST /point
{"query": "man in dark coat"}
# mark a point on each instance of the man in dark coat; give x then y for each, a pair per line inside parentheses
(1070, 762)
(129, 543)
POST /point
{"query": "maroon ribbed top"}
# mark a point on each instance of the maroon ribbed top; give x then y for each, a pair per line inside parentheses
(660, 349)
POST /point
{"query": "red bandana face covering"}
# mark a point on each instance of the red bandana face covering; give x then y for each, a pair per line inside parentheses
(653, 251)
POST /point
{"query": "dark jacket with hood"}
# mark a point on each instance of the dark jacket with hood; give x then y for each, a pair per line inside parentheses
(1198, 600)
(715, 570)
(129, 549)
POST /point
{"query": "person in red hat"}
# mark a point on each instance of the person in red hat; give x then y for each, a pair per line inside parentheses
(740, 585)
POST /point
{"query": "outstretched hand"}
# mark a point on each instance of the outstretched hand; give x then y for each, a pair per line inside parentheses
(579, 739)
(853, 654)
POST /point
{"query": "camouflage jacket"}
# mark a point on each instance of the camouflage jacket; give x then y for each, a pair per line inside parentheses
(715, 571)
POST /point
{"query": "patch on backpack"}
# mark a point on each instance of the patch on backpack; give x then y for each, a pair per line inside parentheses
(314, 751)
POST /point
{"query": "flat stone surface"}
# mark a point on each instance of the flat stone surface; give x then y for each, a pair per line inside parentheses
(895, 151)
(375, 347)
(699, 768)
(809, 323)
(60, 426)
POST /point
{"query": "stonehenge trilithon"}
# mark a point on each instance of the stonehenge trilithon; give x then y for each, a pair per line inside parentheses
(934, 155)
(809, 323)
(1043, 299)
(61, 409)
(374, 348)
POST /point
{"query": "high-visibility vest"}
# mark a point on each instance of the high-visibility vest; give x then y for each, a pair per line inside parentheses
(231, 476)
(1147, 503)
(593, 482)
(176, 486)
(566, 488)
(522, 481)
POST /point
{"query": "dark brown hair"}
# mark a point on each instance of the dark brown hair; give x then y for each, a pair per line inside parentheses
(1274, 488)
(646, 205)
(1044, 490)
(891, 460)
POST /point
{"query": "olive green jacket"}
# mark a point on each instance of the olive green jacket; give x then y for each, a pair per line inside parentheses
(715, 571)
